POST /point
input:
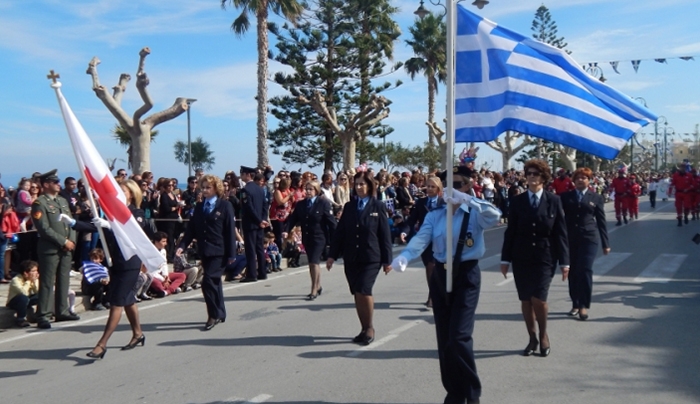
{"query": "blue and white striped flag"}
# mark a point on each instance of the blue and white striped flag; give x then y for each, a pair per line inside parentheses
(506, 81)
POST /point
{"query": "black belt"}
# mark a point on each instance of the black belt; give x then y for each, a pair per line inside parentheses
(460, 264)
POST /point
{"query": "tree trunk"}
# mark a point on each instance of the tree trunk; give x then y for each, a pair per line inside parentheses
(567, 156)
(140, 148)
(263, 45)
(505, 166)
(349, 150)
(328, 153)
(431, 106)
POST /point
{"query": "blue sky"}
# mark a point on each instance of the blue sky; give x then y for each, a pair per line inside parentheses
(195, 55)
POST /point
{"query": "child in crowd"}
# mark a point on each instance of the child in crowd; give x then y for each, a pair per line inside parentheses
(293, 247)
(399, 229)
(143, 284)
(193, 272)
(165, 283)
(273, 253)
(24, 290)
(95, 279)
(234, 270)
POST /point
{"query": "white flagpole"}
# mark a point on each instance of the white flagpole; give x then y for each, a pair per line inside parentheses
(81, 166)
(450, 134)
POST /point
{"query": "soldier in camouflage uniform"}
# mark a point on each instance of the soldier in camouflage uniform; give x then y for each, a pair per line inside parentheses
(55, 250)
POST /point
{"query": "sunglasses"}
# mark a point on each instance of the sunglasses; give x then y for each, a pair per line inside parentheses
(533, 174)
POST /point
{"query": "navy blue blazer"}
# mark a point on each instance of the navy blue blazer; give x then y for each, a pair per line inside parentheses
(252, 206)
(215, 232)
(363, 238)
(530, 233)
(419, 211)
(585, 221)
(317, 223)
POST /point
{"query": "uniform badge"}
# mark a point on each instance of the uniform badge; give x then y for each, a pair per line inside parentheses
(591, 203)
(37, 215)
(139, 219)
(469, 242)
(218, 213)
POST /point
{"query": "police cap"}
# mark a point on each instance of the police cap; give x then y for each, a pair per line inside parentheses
(49, 176)
(464, 171)
(247, 170)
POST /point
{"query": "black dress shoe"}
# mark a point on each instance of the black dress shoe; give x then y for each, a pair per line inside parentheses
(359, 337)
(131, 345)
(320, 290)
(44, 325)
(68, 317)
(311, 297)
(92, 354)
(367, 340)
(248, 280)
(211, 323)
(544, 352)
(573, 312)
(583, 316)
(530, 348)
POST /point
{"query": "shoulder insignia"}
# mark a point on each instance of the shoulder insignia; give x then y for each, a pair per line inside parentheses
(139, 219)
(36, 215)
(36, 202)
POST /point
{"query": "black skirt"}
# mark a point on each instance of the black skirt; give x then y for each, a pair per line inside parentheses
(121, 287)
(361, 277)
(533, 279)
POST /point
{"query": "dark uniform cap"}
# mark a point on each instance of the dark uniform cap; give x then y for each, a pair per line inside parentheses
(457, 170)
(247, 170)
(49, 176)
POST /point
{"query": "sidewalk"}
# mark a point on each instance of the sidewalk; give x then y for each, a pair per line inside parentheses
(7, 318)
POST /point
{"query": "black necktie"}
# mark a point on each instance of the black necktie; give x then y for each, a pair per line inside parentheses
(361, 205)
(535, 201)
(580, 196)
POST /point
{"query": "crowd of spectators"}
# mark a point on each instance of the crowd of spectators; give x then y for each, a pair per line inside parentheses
(168, 208)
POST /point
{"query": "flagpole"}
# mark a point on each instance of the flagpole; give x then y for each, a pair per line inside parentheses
(81, 166)
(450, 135)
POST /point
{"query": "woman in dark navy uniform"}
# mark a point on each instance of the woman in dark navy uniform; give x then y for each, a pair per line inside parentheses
(315, 214)
(213, 225)
(534, 242)
(363, 238)
(122, 278)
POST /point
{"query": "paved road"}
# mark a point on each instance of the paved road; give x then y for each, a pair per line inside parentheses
(640, 345)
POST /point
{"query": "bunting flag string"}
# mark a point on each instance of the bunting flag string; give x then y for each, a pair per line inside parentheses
(636, 62)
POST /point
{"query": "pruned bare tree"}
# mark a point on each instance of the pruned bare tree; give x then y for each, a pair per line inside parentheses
(567, 156)
(351, 131)
(437, 133)
(507, 147)
(139, 128)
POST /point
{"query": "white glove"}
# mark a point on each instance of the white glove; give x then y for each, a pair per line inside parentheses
(181, 203)
(399, 263)
(179, 219)
(66, 219)
(99, 222)
(457, 197)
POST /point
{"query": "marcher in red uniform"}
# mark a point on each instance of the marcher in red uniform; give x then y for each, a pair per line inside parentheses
(681, 186)
(635, 190)
(621, 186)
(695, 195)
(562, 183)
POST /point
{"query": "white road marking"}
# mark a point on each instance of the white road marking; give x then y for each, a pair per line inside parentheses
(392, 334)
(506, 281)
(603, 264)
(661, 270)
(259, 399)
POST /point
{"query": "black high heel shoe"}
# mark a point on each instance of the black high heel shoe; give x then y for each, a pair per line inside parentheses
(544, 352)
(530, 348)
(131, 345)
(359, 337)
(320, 290)
(94, 355)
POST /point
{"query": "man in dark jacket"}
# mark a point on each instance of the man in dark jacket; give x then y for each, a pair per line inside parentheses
(254, 222)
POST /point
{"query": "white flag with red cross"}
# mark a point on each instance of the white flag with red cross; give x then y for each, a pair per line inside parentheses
(130, 236)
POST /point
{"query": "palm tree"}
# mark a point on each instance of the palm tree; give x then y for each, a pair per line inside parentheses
(428, 44)
(289, 9)
(124, 138)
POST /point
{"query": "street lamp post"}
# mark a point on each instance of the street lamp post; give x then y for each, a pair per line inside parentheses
(189, 137)
(643, 102)
(668, 131)
(656, 140)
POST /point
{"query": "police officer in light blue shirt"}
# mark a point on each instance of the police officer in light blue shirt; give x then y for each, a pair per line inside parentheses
(454, 319)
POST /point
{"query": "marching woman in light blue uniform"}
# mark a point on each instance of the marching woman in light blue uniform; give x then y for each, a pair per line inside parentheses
(454, 314)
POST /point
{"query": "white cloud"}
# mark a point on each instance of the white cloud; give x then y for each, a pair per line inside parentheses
(683, 108)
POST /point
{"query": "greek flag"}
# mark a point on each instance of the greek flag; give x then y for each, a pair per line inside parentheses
(506, 81)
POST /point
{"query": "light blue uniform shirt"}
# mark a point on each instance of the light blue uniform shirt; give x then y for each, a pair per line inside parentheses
(483, 215)
(212, 203)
